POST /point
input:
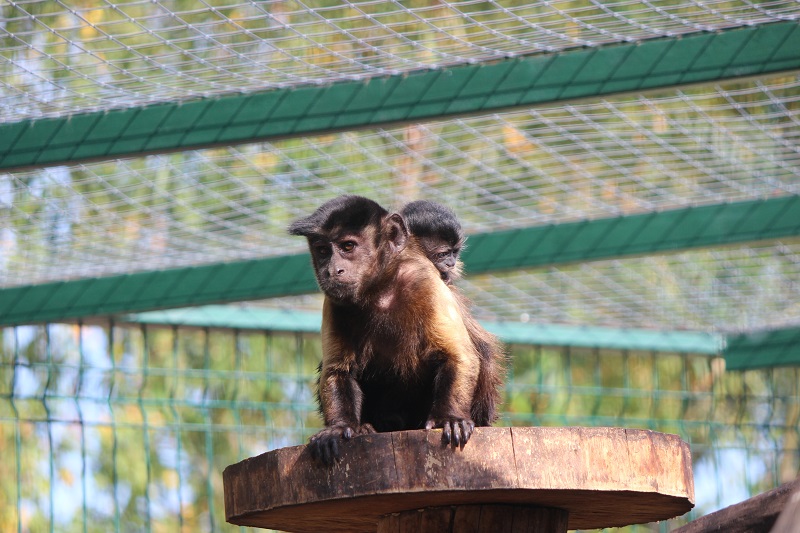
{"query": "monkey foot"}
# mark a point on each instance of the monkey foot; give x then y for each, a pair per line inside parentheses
(456, 431)
(324, 445)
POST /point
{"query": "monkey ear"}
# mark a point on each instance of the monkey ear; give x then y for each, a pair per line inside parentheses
(396, 231)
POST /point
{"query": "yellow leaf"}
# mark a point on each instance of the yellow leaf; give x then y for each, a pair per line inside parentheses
(66, 476)
(515, 141)
(92, 18)
(170, 478)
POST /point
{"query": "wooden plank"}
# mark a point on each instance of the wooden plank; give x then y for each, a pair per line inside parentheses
(789, 519)
(756, 515)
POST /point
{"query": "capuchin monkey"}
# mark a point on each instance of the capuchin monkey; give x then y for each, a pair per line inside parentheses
(396, 351)
(438, 231)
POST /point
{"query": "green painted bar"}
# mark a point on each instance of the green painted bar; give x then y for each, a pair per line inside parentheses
(413, 96)
(761, 349)
(608, 338)
(165, 289)
(264, 319)
(667, 231)
(231, 317)
(679, 229)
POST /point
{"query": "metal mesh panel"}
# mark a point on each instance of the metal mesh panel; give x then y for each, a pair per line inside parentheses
(558, 164)
(128, 429)
(62, 57)
(725, 289)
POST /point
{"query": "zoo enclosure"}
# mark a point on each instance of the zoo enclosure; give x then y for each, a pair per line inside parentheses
(627, 173)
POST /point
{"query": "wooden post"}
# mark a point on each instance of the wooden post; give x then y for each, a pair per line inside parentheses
(505, 479)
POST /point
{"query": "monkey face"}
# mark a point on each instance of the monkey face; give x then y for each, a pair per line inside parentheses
(342, 265)
(351, 238)
(444, 255)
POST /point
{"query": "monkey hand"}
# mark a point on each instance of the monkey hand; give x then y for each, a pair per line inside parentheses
(324, 445)
(456, 431)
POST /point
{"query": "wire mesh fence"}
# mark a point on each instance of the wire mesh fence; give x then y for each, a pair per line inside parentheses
(625, 155)
(61, 57)
(121, 428)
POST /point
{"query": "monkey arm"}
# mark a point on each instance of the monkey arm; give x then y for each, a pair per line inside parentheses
(340, 398)
(457, 373)
(340, 395)
(454, 387)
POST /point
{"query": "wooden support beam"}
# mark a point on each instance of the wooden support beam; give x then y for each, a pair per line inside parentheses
(756, 515)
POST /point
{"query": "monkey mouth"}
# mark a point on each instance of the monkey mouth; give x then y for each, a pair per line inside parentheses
(445, 276)
(338, 292)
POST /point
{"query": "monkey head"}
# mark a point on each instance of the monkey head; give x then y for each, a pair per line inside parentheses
(351, 240)
(440, 234)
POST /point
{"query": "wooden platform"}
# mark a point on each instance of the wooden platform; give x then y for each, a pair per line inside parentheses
(601, 477)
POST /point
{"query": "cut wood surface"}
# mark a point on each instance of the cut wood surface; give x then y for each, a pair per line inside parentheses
(603, 477)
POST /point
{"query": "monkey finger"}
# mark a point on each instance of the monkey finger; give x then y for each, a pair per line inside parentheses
(447, 433)
(456, 440)
(319, 451)
(466, 427)
(334, 450)
(330, 451)
(313, 448)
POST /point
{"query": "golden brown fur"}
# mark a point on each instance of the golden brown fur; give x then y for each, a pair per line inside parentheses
(442, 239)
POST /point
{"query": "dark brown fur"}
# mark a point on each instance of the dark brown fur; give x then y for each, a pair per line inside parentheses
(396, 351)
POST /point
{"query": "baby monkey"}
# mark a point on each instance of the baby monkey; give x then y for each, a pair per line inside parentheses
(438, 231)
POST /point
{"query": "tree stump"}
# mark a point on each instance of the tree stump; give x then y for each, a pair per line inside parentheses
(505, 479)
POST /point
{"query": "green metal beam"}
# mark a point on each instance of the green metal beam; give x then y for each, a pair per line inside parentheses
(261, 319)
(657, 232)
(759, 349)
(679, 229)
(230, 317)
(163, 289)
(410, 97)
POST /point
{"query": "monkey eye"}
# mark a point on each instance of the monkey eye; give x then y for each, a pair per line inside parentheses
(348, 246)
(322, 250)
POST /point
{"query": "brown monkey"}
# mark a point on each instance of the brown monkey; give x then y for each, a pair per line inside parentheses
(396, 352)
(440, 234)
